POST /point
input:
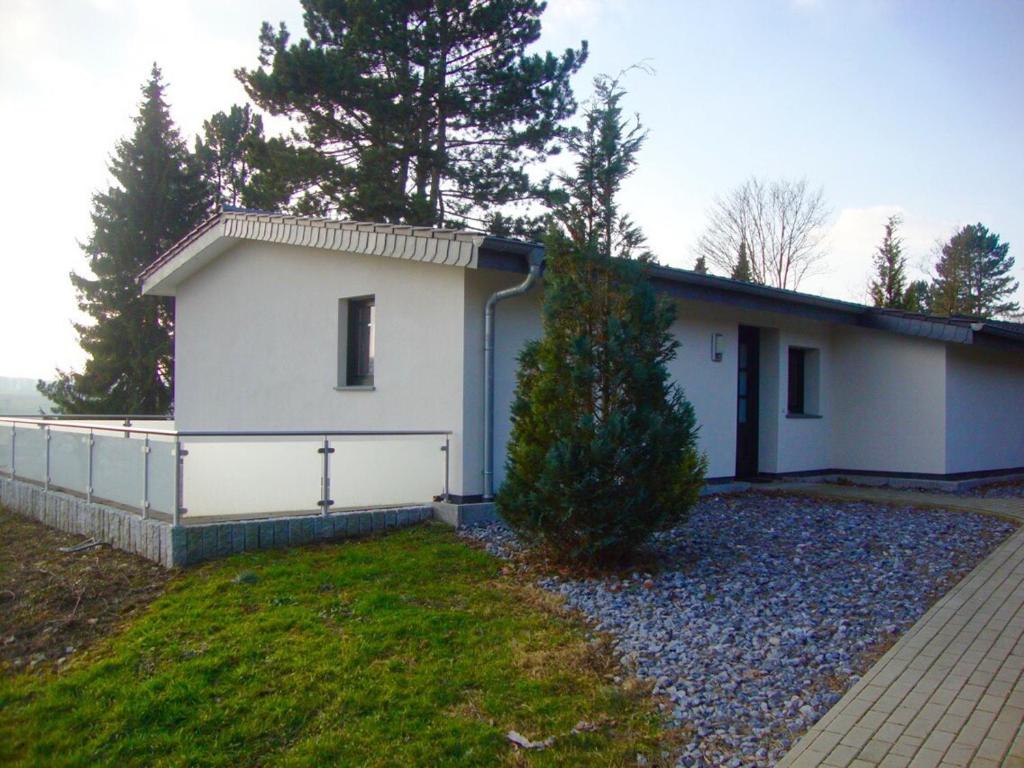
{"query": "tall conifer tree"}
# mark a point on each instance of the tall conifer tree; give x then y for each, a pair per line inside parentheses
(972, 276)
(605, 148)
(156, 198)
(226, 150)
(415, 112)
(888, 288)
(603, 449)
(742, 269)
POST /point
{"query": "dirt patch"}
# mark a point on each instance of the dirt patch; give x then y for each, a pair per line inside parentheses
(55, 604)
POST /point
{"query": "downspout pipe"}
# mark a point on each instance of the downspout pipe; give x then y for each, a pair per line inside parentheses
(535, 259)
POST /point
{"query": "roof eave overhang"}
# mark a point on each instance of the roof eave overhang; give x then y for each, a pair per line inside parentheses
(912, 326)
(163, 278)
(753, 300)
(221, 232)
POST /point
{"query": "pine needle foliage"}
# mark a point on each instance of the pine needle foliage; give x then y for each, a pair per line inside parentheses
(973, 276)
(413, 112)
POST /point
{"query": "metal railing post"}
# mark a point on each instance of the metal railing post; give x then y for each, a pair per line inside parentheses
(14, 431)
(325, 478)
(447, 462)
(90, 441)
(145, 477)
(179, 484)
(46, 442)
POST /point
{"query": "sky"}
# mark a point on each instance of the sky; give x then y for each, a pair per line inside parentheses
(913, 108)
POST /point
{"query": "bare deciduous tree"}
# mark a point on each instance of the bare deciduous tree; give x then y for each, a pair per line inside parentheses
(781, 222)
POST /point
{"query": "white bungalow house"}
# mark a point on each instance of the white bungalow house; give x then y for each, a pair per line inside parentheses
(291, 323)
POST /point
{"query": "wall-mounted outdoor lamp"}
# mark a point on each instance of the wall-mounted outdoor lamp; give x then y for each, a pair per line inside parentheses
(716, 347)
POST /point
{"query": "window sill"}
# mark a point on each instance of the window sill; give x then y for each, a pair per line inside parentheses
(803, 416)
(356, 388)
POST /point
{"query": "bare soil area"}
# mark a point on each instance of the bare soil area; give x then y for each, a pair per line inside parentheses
(54, 604)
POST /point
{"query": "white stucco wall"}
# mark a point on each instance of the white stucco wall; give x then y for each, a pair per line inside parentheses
(786, 445)
(257, 344)
(984, 410)
(257, 347)
(517, 320)
(804, 443)
(889, 399)
(710, 386)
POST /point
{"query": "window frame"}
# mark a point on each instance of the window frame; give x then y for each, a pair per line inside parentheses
(796, 382)
(357, 342)
(803, 382)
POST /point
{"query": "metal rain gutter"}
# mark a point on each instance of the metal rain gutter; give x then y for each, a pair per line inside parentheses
(535, 259)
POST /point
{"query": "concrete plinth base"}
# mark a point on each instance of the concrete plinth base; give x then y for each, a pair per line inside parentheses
(465, 515)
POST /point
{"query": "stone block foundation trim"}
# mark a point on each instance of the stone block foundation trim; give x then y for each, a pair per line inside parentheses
(150, 539)
(158, 541)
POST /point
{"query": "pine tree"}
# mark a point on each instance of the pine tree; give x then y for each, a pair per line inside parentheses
(889, 285)
(226, 150)
(157, 197)
(603, 447)
(701, 266)
(917, 297)
(418, 112)
(742, 269)
(972, 276)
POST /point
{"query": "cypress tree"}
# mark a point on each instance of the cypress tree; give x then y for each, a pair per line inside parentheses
(417, 112)
(603, 446)
(972, 276)
(156, 198)
(605, 149)
(742, 269)
(889, 285)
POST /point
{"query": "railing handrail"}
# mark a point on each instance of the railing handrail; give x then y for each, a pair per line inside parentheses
(90, 417)
(81, 424)
(314, 433)
(37, 422)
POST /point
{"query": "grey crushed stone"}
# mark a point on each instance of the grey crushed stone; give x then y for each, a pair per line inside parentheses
(767, 609)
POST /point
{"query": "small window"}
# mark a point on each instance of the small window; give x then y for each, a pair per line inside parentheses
(803, 382)
(357, 318)
(797, 382)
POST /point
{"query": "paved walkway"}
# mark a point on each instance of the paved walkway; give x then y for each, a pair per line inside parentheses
(951, 691)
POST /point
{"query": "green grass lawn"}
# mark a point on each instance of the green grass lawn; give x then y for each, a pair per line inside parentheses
(407, 650)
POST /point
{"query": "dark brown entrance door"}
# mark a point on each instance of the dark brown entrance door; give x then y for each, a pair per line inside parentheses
(748, 353)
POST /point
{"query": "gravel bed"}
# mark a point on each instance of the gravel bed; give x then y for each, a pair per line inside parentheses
(767, 608)
(998, 491)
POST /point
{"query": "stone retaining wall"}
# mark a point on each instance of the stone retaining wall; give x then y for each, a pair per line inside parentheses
(175, 547)
(149, 538)
(196, 543)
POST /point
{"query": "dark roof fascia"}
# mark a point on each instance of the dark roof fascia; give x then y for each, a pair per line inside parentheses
(1002, 330)
(197, 232)
(682, 284)
(509, 255)
(506, 254)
